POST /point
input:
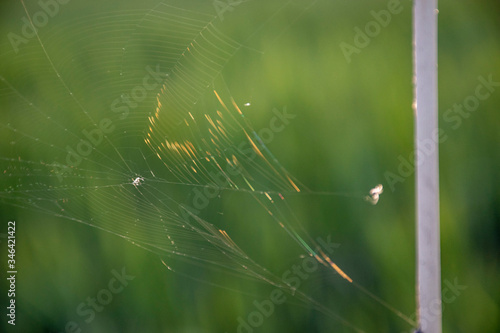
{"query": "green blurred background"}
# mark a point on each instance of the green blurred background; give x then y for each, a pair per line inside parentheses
(352, 122)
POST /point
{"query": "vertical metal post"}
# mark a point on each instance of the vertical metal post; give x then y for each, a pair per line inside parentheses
(426, 159)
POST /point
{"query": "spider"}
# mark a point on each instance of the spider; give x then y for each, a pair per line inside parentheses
(137, 181)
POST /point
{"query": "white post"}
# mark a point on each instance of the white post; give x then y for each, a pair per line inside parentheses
(427, 177)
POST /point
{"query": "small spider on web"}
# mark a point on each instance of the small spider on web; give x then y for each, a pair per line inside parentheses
(137, 181)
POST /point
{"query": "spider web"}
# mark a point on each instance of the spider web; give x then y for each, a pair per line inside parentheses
(134, 114)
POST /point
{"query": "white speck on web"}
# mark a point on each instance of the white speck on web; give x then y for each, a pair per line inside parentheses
(375, 194)
(137, 181)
